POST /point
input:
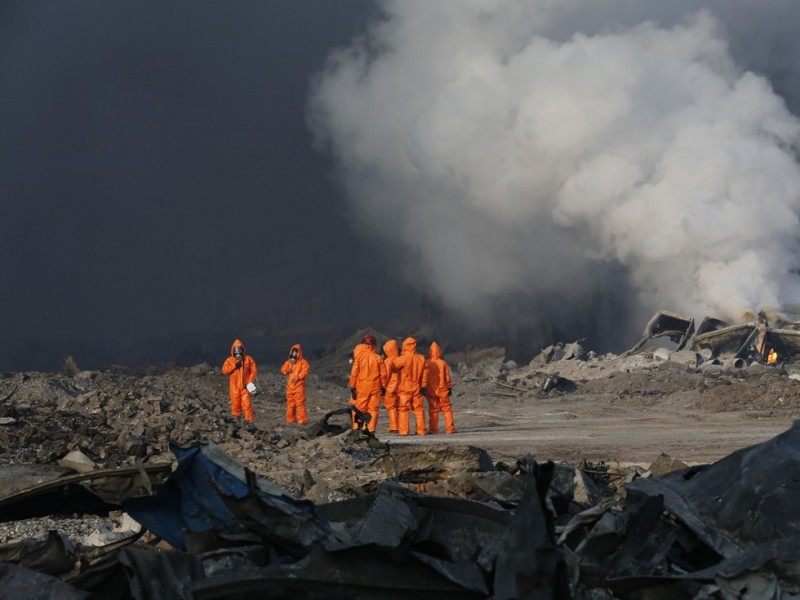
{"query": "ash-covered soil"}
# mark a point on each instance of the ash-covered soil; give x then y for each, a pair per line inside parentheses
(627, 410)
(605, 410)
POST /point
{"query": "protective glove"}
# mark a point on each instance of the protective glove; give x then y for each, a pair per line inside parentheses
(238, 364)
(424, 391)
(450, 391)
(353, 393)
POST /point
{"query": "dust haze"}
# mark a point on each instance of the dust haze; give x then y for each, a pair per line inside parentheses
(573, 158)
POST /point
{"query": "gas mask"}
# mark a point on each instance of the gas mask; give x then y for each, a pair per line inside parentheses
(238, 352)
(293, 356)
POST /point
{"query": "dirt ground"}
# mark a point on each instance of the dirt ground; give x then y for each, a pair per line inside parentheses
(617, 411)
(585, 426)
(624, 410)
(628, 410)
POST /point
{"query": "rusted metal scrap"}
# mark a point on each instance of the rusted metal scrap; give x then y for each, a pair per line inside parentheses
(729, 341)
(678, 328)
(754, 341)
(423, 547)
(737, 344)
(101, 490)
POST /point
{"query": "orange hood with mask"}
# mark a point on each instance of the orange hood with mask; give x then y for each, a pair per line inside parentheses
(297, 372)
(238, 343)
(239, 378)
(439, 382)
(368, 374)
(299, 349)
(390, 350)
(413, 374)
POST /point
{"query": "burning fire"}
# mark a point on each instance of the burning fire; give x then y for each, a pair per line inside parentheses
(772, 357)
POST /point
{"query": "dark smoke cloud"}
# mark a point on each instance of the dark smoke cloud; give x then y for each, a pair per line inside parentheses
(157, 176)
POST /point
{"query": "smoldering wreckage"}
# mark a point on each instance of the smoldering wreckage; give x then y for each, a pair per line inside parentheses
(125, 484)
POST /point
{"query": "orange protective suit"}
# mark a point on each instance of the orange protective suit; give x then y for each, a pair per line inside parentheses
(240, 375)
(352, 399)
(368, 377)
(413, 377)
(439, 387)
(390, 397)
(296, 386)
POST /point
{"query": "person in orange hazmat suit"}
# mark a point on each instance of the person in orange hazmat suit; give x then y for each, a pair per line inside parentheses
(297, 369)
(360, 347)
(242, 372)
(440, 386)
(390, 397)
(368, 380)
(413, 379)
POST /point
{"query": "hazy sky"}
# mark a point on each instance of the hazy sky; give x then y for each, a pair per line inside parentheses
(297, 165)
(537, 148)
(157, 174)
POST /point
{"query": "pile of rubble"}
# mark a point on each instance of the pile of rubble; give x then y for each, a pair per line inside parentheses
(139, 483)
(98, 496)
(212, 529)
(113, 416)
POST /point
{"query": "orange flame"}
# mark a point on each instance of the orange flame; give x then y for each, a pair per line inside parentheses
(772, 357)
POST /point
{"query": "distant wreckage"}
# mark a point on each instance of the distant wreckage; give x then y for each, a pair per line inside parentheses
(736, 345)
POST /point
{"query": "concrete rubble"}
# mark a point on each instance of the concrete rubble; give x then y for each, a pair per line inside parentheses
(138, 483)
(714, 348)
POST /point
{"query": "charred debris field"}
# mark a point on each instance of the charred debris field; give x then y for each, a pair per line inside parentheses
(560, 471)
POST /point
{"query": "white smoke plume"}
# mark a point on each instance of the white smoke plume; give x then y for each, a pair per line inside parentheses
(528, 148)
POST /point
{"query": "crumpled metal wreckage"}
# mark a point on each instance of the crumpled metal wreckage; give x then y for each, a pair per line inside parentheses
(678, 328)
(732, 344)
(239, 536)
(724, 530)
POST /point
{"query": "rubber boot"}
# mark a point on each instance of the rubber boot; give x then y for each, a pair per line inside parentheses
(433, 415)
(374, 411)
(402, 422)
(393, 426)
(449, 425)
(419, 415)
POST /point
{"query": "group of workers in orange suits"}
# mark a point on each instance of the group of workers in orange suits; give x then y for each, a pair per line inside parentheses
(403, 379)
